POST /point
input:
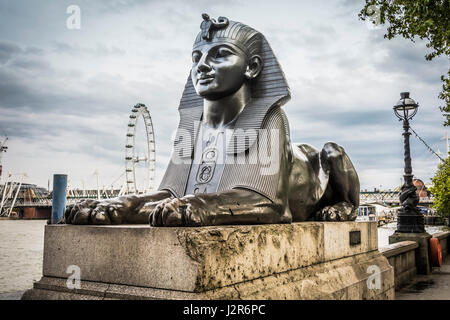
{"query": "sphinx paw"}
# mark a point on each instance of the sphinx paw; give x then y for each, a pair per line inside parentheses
(168, 213)
(187, 211)
(329, 213)
(342, 211)
(93, 212)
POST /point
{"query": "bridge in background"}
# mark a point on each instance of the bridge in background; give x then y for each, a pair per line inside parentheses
(388, 198)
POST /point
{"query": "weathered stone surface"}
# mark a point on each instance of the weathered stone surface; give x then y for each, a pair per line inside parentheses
(336, 280)
(402, 257)
(422, 257)
(398, 248)
(310, 260)
(39, 294)
(337, 239)
(131, 255)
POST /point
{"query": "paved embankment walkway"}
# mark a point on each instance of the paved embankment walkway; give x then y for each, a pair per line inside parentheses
(435, 286)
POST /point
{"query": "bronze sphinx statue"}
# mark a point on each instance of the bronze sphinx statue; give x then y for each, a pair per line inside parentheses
(233, 162)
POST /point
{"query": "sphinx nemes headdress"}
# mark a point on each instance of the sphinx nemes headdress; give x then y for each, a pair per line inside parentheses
(223, 30)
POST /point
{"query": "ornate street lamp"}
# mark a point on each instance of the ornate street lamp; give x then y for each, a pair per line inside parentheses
(409, 218)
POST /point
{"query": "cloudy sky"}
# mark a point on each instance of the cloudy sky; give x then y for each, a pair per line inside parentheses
(65, 94)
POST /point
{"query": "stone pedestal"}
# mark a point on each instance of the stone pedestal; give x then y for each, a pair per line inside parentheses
(309, 260)
(422, 257)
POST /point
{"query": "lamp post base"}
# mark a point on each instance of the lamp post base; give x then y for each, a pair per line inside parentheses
(423, 239)
(410, 220)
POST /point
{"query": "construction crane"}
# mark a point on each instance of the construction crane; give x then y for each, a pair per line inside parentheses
(3, 148)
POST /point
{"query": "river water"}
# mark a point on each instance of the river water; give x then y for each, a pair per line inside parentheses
(21, 249)
(22, 245)
(387, 230)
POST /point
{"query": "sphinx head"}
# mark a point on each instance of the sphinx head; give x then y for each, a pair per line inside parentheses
(226, 55)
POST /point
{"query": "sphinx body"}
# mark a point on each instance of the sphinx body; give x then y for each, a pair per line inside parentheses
(233, 161)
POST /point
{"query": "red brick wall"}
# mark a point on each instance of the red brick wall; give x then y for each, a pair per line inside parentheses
(37, 213)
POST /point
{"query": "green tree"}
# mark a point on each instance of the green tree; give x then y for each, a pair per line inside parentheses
(411, 19)
(441, 189)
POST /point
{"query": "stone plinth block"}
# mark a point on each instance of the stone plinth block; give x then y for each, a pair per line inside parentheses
(422, 255)
(309, 260)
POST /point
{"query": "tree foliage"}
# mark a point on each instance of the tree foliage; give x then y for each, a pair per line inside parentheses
(425, 19)
(441, 189)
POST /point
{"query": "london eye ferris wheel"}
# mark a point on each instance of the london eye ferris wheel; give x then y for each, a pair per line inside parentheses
(140, 152)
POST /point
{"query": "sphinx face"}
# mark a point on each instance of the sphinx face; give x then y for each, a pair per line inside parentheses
(218, 70)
